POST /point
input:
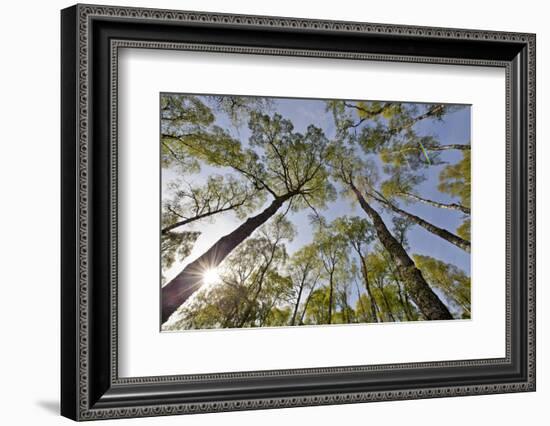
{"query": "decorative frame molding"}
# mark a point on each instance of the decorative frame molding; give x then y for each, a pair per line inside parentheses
(91, 37)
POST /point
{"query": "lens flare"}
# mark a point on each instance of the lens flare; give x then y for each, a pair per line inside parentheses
(211, 276)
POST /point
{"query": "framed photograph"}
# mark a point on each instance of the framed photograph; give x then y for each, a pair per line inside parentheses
(263, 212)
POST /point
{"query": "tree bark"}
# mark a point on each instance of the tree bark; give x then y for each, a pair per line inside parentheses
(189, 280)
(451, 206)
(367, 286)
(295, 312)
(427, 301)
(436, 230)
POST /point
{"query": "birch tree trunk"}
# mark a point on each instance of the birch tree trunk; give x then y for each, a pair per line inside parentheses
(367, 286)
(427, 301)
(190, 279)
(436, 230)
(299, 296)
(451, 206)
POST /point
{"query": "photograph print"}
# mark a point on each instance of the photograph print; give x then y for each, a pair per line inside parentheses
(279, 212)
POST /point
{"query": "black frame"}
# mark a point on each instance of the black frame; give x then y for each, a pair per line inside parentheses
(91, 37)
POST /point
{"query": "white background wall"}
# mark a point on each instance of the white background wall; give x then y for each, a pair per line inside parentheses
(29, 213)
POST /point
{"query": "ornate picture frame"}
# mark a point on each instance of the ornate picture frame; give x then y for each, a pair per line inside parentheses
(91, 37)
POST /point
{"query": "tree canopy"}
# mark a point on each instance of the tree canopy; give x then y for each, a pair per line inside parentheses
(285, 212)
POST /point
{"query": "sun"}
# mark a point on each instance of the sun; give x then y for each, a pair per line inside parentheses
(211, 276)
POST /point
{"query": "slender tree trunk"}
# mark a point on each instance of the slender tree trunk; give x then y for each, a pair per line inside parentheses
(386, 301)
(367, 286)
(465, 308)
(189, 280)
(295, 311)
(403, 301)
(330, 296)
(250, 302)
(436, 230)
(264, 313)
(304, 276)
(360, 301)
(306, 303)
(464, 303)
(259, 284)
(460, 301)
(459, 146)
(412, 308)
(427, 301)
(405, 298)
(451, 206)
(430, 113)
(414, 147)
(345, 308)
(397, 279)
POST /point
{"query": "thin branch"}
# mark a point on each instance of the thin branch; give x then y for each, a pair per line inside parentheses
(200, 216)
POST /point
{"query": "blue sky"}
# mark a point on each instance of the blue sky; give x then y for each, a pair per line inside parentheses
(454, 128)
